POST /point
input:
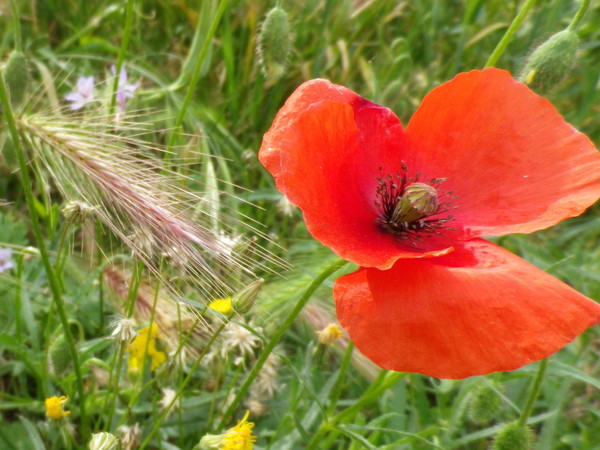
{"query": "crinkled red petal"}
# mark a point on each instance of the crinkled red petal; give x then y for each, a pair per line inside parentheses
(325, 149)
(475, 311)
(514, 163)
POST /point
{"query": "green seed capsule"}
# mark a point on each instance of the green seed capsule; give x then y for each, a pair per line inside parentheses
(551, 62)
(274, 44)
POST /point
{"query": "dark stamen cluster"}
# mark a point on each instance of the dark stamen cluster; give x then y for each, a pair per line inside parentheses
(389, 193)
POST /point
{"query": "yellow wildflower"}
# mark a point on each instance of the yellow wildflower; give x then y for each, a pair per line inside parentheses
(144, 342)
(54, 407)
(239, 437)
(222, 305)
(329, 334)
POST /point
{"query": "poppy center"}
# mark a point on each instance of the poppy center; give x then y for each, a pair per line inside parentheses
(411, 209)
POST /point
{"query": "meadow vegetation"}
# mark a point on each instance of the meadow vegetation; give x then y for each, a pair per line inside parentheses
(151, 273)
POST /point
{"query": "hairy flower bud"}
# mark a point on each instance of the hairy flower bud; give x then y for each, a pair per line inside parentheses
(551, 62)
(274, 44)
(484, 404)
(59, 356)
(514, 436)
(16, 75)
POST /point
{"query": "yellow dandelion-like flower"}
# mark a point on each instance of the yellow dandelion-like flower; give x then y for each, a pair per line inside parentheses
(239, 437)
(54, 407)
(329, 334)
(144, 342)
(222, 305)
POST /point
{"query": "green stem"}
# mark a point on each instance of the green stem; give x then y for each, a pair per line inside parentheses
(19, 299)
(337, 387)
(122, 51)
(535, 390)
(17, 24)
(512, 29)
(184, 384)
(380, 385)
(277, 336)
(55, 285)
(576, 22)
(195, 76)
(115, 370)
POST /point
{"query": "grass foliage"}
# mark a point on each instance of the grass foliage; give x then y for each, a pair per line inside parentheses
(183, 213)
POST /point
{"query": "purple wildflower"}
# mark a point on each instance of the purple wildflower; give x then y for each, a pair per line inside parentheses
(84, 93)
(125, 90)
(5, 262)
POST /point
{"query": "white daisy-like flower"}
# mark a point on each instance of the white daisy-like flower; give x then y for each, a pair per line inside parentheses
(239, 340)
(124, 329)
(168, 398)
(130, 436)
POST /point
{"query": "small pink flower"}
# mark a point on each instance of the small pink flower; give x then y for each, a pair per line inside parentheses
(84, 93)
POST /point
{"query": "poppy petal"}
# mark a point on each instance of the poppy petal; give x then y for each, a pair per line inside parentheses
(325, 149)
(475, 311)
(514, 163)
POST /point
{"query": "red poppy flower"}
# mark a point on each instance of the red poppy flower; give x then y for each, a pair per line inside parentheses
(482, 156)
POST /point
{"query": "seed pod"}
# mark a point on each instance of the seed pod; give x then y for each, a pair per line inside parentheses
(551, 62)
(274, 44)
(16, 75)
(513, 436)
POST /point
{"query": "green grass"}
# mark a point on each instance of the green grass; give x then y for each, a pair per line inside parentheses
(201, 109)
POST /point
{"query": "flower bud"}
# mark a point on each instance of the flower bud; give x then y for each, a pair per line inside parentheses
(551, 62)
(104, 441)
(16, 76)
(484, 404)
(514, 436)
(59, 356)
(274, 44)
(244, 300)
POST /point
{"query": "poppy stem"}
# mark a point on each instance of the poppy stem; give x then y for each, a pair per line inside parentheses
(277, 337)
(576, 22)
(535, 389)
(510, 32)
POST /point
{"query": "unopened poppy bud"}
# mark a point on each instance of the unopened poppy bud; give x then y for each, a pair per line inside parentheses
(551, 62)
(59, 356)
(329, 334)
(514, 436)
(484, 404)
(16, 76)
(244, 300)
(77, 211)
(274, 44)
(104, 441)
(419, 200)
